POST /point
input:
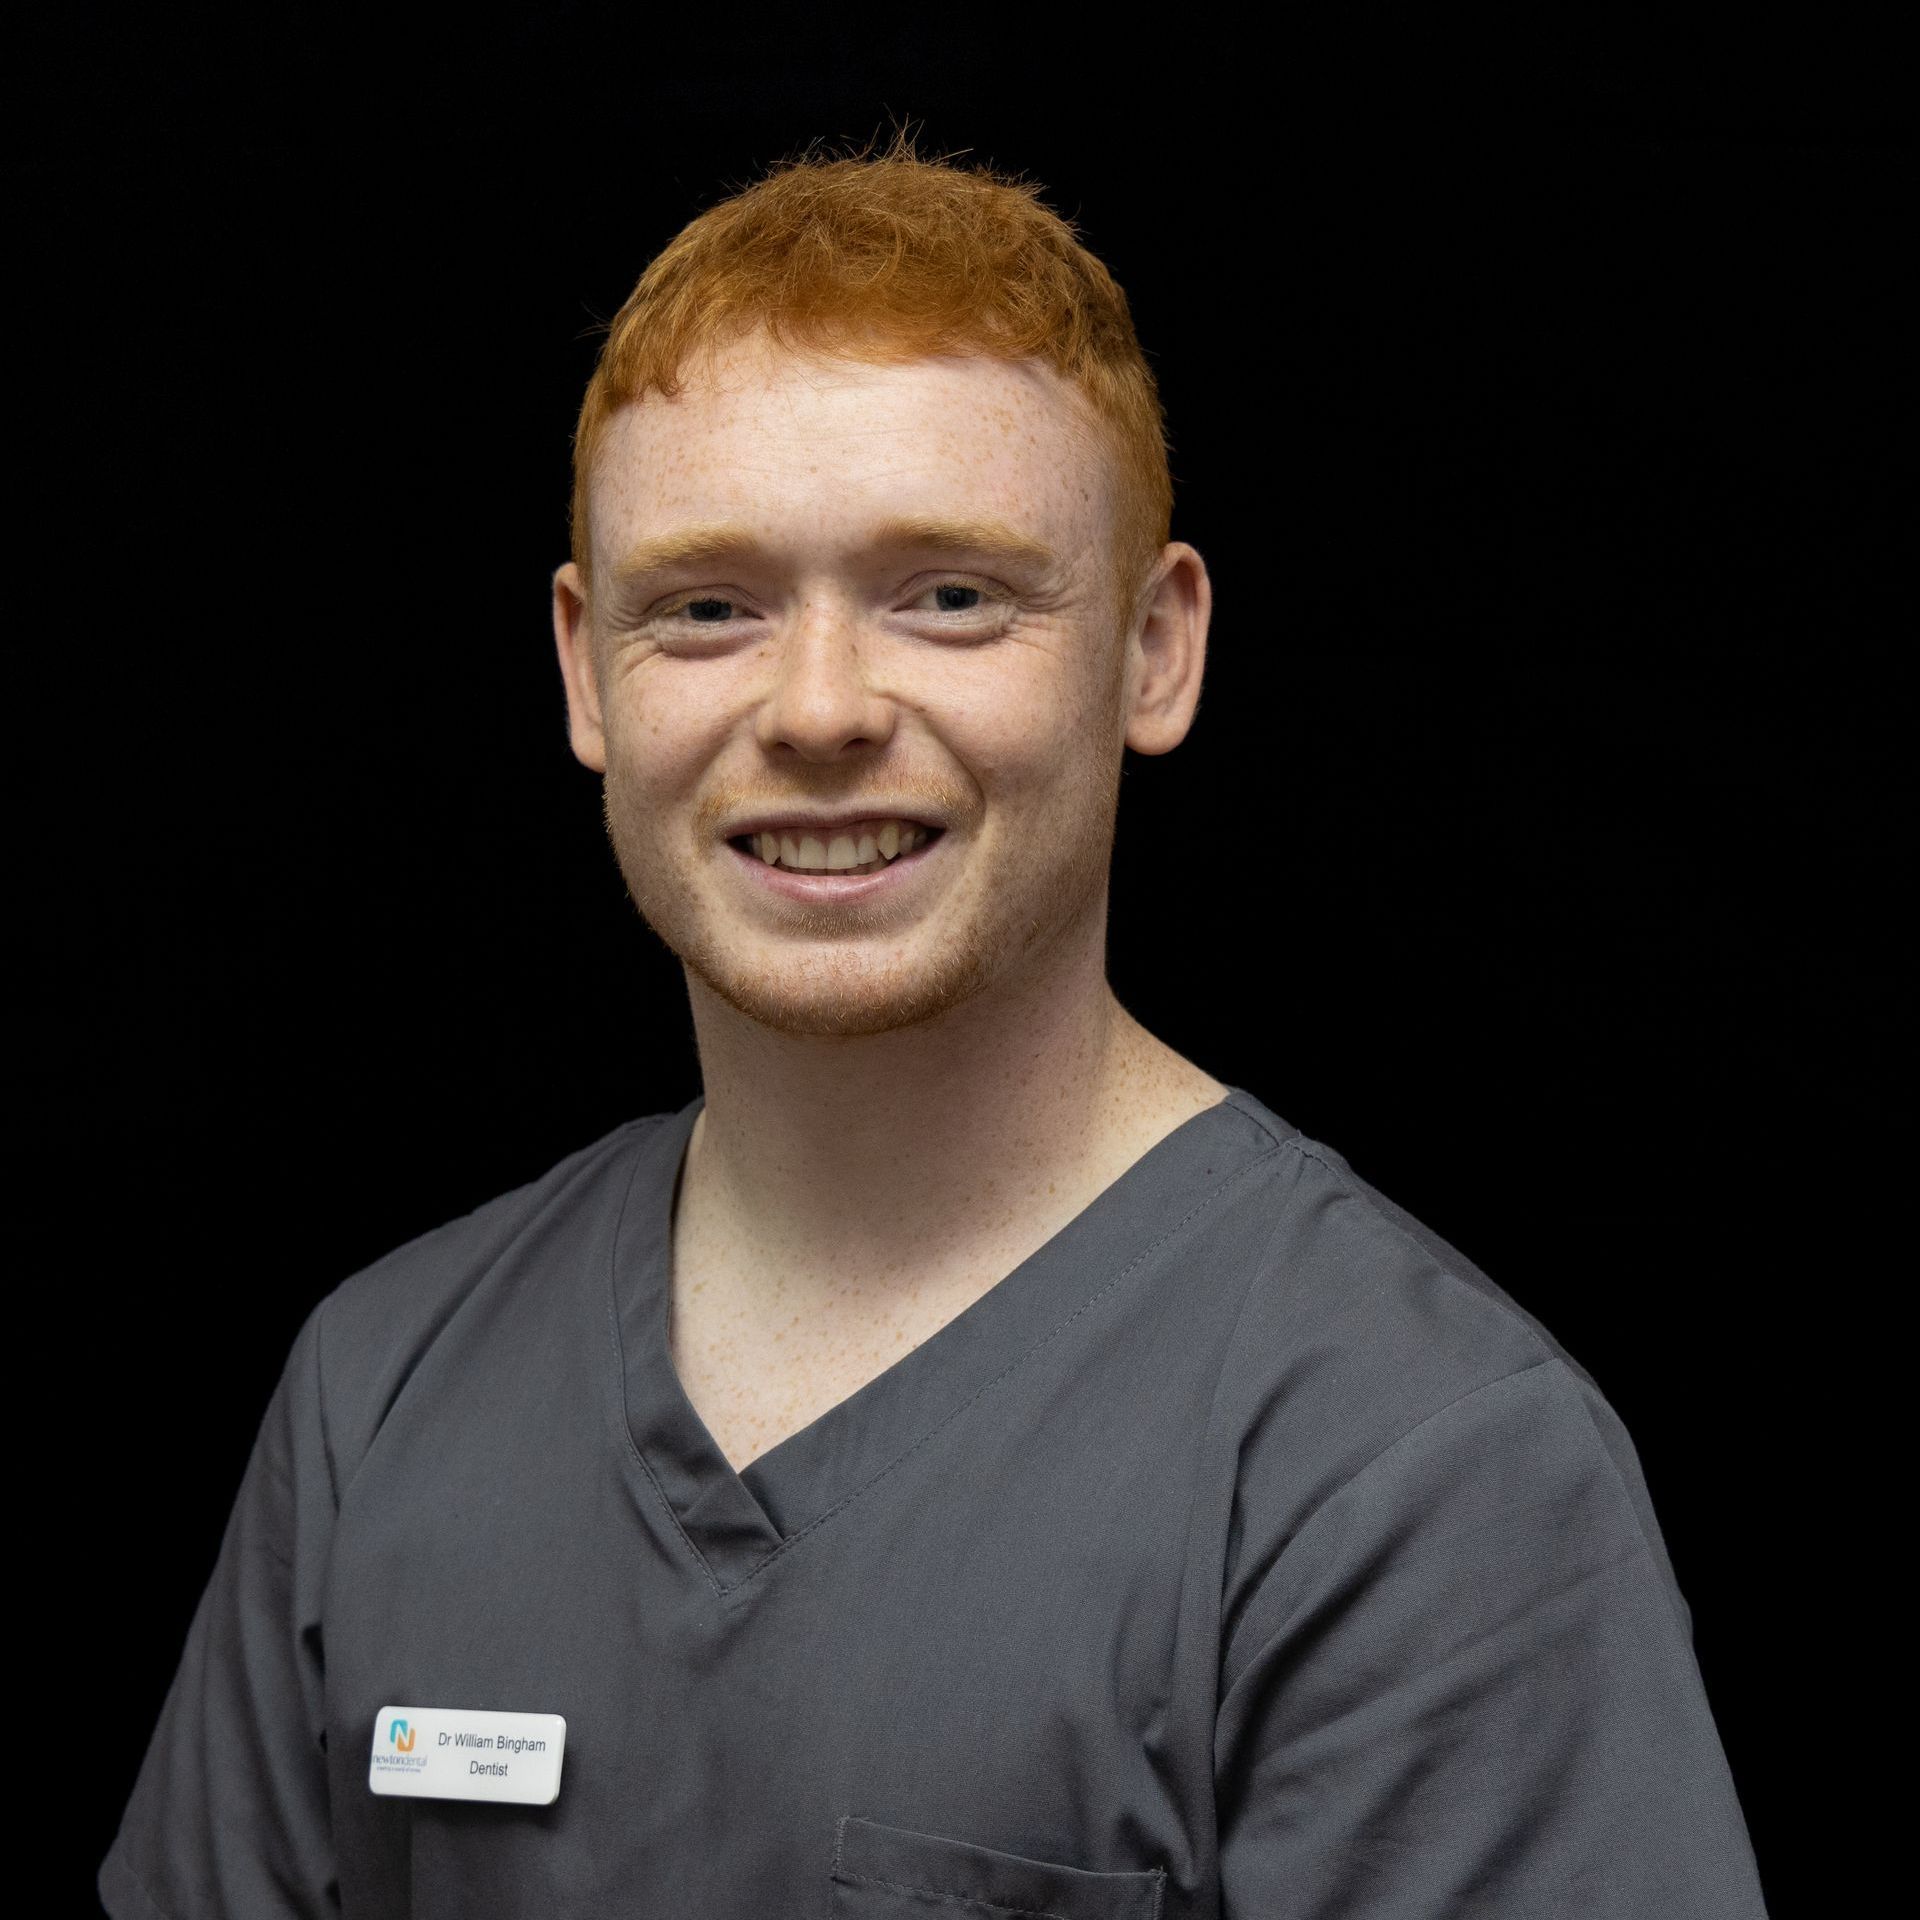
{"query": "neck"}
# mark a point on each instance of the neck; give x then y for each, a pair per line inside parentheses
(880, 1159)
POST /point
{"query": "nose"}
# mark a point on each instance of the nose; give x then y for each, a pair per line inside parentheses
(822, 700)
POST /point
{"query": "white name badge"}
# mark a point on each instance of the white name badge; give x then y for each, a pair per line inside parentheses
(461, 1753)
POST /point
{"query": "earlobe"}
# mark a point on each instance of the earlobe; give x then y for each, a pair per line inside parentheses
(573, 640)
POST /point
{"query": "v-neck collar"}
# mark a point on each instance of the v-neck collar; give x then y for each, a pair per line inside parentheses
(735, 1522)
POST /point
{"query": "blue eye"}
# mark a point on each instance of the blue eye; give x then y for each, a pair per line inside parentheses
(948, 606)
(706, 600)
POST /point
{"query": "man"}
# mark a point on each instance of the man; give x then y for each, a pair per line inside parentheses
(970, 1460)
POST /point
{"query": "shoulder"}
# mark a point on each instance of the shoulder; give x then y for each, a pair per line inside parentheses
(1367, 1342)
(1348, 1271)
(367, 1337)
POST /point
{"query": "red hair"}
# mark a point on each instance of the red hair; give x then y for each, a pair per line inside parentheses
(886, 259)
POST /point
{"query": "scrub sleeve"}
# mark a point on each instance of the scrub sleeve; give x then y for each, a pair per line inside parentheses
(229, 1816)
(1467, 1686)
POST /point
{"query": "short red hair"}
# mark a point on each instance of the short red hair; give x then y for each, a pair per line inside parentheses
(887, 259)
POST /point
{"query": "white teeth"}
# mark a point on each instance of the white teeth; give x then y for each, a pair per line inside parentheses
(840, 852)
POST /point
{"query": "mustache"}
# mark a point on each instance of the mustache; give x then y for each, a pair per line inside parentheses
(907, 797)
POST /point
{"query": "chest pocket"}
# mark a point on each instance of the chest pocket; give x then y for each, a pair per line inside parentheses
(892, 1873)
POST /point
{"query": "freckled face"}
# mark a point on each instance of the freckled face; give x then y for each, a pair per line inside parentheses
(833, 657)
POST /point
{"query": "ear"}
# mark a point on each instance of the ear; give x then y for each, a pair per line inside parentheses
(1167, 652)
(573, 636)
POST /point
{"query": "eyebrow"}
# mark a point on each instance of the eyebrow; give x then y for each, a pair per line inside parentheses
(922, 533)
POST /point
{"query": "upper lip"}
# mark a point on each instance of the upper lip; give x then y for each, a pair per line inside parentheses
(824, 823)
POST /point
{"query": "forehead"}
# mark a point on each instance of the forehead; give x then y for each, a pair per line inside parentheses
(802, 444)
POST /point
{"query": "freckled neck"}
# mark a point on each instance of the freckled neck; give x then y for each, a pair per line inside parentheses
(893, 1180)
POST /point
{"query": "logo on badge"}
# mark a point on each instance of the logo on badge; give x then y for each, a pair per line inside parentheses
(401, 1736)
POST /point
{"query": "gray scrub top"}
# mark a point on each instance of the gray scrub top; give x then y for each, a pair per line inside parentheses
(1244, 1552)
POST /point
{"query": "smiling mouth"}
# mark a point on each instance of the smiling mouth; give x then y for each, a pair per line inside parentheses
(848, 856)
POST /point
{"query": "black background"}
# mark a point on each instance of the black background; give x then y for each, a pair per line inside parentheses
(1536, 413)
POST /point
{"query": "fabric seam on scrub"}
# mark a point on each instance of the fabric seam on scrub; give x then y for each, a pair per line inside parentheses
(941, 1893)
(1230, 1347)
(850, 1878)
(1278, 1139)
(116, 1857)
(623, 1419)
(1020, 1360)
(1633, 1507)
(1353, 1479)
(320, 1399)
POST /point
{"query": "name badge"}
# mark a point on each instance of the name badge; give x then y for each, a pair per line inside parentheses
(459, 1753)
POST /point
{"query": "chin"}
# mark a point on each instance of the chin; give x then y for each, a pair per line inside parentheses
(832, 998)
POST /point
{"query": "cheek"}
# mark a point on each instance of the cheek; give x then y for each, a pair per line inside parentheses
(1006, 748)
(1018, 716)
(662, 736)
